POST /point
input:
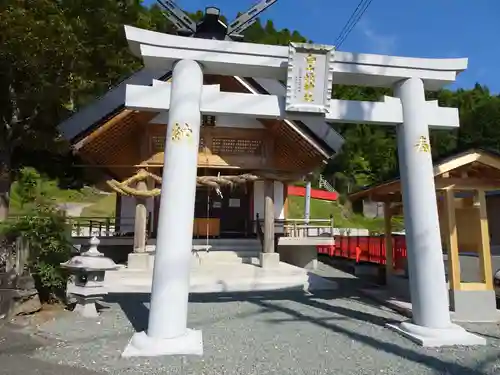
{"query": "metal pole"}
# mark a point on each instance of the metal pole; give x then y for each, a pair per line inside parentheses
(307, 204)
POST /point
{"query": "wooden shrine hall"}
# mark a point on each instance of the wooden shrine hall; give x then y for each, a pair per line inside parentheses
(468, 199)
(244, 164)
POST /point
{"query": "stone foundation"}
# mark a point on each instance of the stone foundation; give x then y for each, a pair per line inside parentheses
(269, 260)
(141, 261)
(304, 256)
(474, 306)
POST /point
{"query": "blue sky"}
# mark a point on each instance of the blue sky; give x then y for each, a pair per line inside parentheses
(417, 28)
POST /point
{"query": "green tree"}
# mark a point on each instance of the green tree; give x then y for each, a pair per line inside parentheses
(38, 61)
(56, 56)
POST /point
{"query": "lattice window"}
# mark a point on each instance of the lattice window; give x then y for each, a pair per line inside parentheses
(226, 146)
(208, 120)
(158, 143)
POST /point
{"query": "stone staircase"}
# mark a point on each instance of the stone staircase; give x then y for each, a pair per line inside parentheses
(324, 184)
(217, 250)
(227, 250)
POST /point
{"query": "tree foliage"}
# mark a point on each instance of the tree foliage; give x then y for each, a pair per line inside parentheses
(57, 56)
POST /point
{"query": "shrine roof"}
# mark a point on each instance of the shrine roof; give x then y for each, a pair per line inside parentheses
(479, 168)
(112, 103)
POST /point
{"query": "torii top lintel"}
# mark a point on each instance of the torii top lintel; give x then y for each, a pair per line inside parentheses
(160, 51)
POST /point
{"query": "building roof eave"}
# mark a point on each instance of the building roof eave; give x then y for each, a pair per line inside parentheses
(104, 107)
(442, 165)
(321, 135)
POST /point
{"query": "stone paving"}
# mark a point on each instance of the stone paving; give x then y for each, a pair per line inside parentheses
(331, 332)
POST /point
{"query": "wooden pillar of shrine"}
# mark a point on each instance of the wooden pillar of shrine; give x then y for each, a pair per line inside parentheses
(389, 251)
(484, 241)
(470, 301)
(452, 240)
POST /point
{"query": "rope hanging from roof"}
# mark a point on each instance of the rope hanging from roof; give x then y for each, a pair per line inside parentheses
(214, 182)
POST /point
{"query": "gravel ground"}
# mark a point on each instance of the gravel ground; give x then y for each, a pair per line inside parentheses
(15, 350)
(334, 332)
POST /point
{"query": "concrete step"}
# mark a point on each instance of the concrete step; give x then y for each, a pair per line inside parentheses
(227, 256)
(250, 246)
(219, 250)
(229, 244)
(145, 261)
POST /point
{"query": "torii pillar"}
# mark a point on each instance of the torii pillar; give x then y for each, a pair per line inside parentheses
(431, 324)
(167, 332)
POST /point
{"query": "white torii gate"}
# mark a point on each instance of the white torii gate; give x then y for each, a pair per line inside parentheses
(309, 71)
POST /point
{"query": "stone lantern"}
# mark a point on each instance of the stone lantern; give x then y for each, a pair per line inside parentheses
(88, 270)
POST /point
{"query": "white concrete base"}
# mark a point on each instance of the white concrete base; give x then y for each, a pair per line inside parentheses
(223, 277)
(434, 337)
(141, 261)
(269, 260)
(474, 306)
(141, 345)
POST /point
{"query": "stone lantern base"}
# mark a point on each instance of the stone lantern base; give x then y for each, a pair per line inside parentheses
(86, 300)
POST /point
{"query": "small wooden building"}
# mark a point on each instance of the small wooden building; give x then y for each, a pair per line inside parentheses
(257, 156)
(467, 186)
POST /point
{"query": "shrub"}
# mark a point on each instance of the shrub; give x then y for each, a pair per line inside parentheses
(45, 229)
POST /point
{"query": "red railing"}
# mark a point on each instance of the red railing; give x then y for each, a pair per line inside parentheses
(300, 191)
(366, 249)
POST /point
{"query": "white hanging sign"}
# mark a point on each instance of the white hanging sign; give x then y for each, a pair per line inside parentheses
(233, 202)
(309, 78)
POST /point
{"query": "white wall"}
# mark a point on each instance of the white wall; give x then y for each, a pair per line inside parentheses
(279, 201)
(127, 212)
(258, 200)
(238, 122)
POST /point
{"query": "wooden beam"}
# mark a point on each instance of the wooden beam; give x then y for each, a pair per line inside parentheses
(489, 161)
(391, 197)
(467, 183)
(453, 255)
(473, 286)
(455, 163)
(389, 251)
(484, 241)
(397, 210)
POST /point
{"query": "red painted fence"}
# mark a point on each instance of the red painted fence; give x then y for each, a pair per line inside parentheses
(366, 249)
(300, 191)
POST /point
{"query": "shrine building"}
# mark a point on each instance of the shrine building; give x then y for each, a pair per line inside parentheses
(241, 160)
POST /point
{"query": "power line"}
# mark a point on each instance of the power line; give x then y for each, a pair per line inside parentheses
(352, 21)
(342, 31)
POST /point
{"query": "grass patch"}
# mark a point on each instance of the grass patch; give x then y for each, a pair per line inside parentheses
(104, 207)
(51, 190)
(321, 209)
